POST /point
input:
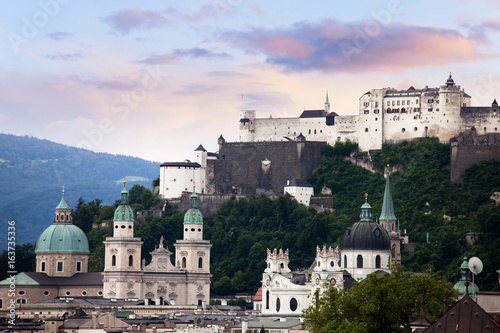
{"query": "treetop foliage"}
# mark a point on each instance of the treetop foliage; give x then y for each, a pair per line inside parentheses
(380, 303)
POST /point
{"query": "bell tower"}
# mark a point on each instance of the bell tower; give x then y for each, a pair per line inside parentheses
(192, 253)
(122, 262)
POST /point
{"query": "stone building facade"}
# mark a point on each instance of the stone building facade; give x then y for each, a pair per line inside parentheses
(384, 116)
(160, 282)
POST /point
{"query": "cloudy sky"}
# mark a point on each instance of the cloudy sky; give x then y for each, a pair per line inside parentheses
(155, 79)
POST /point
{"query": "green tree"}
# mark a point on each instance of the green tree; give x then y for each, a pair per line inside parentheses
(380, 303)
(25, 260)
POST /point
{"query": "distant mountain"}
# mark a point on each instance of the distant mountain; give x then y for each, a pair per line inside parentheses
(33, 171)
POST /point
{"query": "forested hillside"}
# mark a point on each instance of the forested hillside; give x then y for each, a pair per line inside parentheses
(33, 171)
(243, 229)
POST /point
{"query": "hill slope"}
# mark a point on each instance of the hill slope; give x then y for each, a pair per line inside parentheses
(33, 171)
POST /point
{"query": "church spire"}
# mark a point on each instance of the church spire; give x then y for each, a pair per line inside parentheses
(387, 205)
(327, 103)
(63, 204)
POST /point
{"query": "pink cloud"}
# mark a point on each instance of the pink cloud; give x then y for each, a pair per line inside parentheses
(331, 46)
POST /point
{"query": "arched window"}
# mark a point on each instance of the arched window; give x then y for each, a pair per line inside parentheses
(377, 262)
(278, 304)
(293, 304)
(359, 261)
(267, 299)
(200, 262)
(184, 262)
(345, 261)
(113, 260)
(131, 260)
(393, 251)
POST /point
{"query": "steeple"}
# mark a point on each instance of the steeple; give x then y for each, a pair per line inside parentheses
(124, 212)
(124, 194)
(327, 103)
(63, 211)
(450, 81)
(193, 215)
(366, 211)
(387, 205)
(63, 204)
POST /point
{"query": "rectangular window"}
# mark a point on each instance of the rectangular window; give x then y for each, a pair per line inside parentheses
(403, 102)
(43, 266)
(59, 266)
(78, 266)
(398, 102)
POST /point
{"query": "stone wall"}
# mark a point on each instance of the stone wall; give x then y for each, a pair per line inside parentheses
(465, 156)
(468, 149)
(263, 167)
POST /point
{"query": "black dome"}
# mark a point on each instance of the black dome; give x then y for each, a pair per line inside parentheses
(366, 236)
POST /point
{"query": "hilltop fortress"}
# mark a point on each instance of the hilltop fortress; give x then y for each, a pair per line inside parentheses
(273, 151)
(385, 115)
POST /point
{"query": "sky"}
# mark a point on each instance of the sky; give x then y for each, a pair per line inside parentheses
(154, 79)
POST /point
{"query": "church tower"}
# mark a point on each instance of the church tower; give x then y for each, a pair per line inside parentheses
(122, 263)
(388, 221)
(192, 255)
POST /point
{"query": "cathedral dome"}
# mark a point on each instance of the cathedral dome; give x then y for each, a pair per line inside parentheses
(62, 237)
(366, 234)
(124, 212)
(193, 215)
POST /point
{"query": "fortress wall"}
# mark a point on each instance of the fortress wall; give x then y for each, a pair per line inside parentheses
(255, 167)
(464, 156)
(275, 129)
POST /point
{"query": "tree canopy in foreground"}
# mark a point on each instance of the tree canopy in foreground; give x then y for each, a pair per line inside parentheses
(380, 303)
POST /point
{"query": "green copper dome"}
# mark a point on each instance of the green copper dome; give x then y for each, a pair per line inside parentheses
(465, 274)
(62, 235)
(124, 212)
(62, 238)
(193, 215)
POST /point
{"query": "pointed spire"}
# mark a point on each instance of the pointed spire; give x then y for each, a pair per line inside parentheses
(327, 102)
(63, 204)
(194, 198)
(450, 81)
(387, 205)
(124, 194)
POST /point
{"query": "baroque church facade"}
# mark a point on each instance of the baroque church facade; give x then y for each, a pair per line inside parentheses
(160, 282)
(62, 253)
(367, 246)
(385, 115)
